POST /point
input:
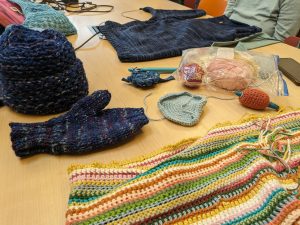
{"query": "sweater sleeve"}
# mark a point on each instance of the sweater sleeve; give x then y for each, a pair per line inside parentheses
(288, 23)
(229, 7)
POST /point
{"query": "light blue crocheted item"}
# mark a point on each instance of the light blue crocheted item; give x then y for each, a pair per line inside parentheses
(44, 17)
(182, 108)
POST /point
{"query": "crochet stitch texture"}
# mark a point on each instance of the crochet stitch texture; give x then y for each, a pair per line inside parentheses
(210, 180)
(182, 108)
(39, 71)
(44, 17)
(86, 127)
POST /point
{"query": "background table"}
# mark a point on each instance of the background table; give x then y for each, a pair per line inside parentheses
(34, 191)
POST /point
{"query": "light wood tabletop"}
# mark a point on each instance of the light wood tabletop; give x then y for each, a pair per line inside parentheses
(34, 191)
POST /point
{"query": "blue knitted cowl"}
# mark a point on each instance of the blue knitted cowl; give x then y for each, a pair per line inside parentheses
(44, 17)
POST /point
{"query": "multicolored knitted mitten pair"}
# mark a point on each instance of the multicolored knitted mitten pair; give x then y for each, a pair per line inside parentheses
(86, 127)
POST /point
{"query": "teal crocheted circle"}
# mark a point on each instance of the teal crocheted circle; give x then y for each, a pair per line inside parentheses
(183, 108)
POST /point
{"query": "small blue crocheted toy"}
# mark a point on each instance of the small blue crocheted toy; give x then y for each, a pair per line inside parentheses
(141, 78)
(44, 17)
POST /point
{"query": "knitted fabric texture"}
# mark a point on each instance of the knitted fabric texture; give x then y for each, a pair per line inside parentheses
(211, 180)
(145, 78)
(39, 71)
(86, 127)
(182, 108)
(176, 29)
(43, 16)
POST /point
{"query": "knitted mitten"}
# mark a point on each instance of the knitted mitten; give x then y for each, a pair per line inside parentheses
(86, 127)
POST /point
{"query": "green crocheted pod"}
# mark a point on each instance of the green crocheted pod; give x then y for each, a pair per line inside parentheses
(44, 17)
(182, 108)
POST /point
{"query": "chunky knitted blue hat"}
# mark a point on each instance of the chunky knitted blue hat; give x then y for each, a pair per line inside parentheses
(44, 17)
(39, 71)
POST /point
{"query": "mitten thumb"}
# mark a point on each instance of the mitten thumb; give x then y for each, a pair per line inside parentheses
(90, 105)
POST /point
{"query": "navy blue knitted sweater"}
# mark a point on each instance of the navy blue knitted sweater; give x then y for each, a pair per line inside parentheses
(169, 32)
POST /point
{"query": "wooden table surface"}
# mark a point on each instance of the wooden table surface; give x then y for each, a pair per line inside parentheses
(34, 191)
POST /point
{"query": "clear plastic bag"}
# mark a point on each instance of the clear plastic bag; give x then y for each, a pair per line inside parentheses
(229, 69)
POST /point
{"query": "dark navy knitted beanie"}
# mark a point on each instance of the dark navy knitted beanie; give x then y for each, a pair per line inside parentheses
(39, 71)
(86, 127)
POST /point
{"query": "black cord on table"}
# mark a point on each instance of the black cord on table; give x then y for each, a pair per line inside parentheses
(90, 38)
(79, 7)
(103, 23)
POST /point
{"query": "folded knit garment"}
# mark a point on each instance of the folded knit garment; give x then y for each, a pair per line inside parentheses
(39, 71)
(86, 127)
(42, 16)
(226, 177)
(176, 30)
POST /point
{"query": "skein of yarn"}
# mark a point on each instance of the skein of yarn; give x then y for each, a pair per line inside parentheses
(255, 99)
(191, 75)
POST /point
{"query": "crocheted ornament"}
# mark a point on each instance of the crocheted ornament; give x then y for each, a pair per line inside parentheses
(39, 71)
(255, 99)
(182, 108)
(86, 127)
(145, 78)
(191, 75)
(44, 17)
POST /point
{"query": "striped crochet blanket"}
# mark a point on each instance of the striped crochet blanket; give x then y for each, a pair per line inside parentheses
(242, 173)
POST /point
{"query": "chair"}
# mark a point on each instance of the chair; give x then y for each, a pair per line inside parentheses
(293, 41)
(212, 7)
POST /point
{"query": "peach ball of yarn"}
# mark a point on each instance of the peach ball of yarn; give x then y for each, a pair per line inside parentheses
(191, 74)
(231, 74)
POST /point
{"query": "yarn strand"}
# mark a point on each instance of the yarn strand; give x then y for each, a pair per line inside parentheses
(215, 97)
(128, 17)
(146, 108)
